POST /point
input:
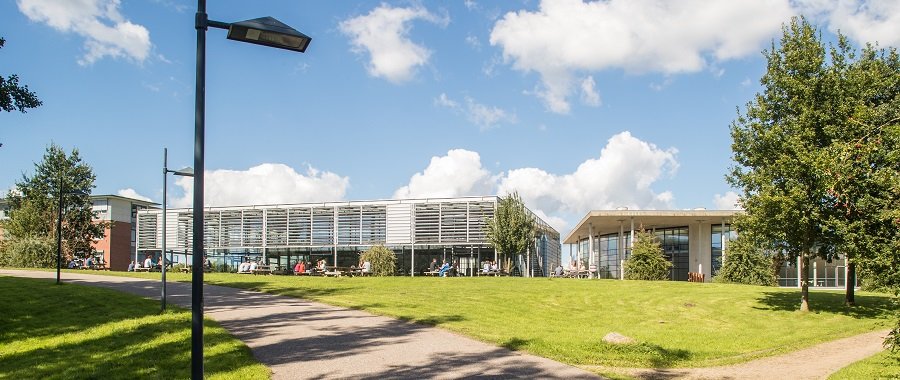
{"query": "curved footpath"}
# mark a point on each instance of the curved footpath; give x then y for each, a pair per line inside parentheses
(299, 339)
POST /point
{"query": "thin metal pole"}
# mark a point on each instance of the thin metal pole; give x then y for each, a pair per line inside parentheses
(59, 232)
(165, 173)
(200, 23)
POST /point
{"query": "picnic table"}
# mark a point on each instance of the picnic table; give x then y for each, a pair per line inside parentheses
(262, 269)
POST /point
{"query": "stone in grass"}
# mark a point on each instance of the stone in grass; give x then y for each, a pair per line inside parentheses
(616, 338)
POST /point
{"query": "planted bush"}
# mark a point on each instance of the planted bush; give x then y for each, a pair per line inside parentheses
(384, 261)
(745, 263)
(647, 261)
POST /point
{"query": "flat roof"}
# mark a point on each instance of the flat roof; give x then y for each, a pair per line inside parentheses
(606, 222)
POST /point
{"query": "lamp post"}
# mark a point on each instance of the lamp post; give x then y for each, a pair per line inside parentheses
(186, 172)
(262, 31)
(59, 217)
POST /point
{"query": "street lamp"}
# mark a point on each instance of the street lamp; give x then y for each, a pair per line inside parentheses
(262, 31)
(59, 217)
(186, 172)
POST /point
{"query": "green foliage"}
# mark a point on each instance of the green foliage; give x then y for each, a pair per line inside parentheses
(34, 203)
(512, 228)
(745, 263)
(647, 261)
(13, 96)
(29, 252)
(383, 260)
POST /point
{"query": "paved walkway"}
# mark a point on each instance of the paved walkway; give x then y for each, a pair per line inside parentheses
(299, 339)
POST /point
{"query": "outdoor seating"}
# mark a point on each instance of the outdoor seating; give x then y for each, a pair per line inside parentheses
(696, 277)
(431, 273)
(262, 269)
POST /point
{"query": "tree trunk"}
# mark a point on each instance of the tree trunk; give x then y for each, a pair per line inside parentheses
(804, 283)
(850, 298)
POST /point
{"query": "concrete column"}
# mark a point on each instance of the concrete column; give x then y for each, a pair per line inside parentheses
(815, 274)
(590, 249)
(412, 260)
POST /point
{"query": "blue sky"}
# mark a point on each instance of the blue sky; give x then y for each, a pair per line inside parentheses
(575, 105)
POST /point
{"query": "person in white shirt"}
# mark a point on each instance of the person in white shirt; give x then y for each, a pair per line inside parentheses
(148, 262)
(367, 267)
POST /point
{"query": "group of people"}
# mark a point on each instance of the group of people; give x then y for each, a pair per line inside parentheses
(444, 270)
(247, 266)
(489, 266)
(86, 263)
(303, 267)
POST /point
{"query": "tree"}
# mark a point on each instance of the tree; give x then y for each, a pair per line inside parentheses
(647, 261)
(383, 260)
(746, 264)
(780, 142)
(34, 206)
(512, 228)
(12, 96)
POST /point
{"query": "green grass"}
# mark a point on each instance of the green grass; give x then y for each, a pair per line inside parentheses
(677, 324)
(881, 366)
(82, 332)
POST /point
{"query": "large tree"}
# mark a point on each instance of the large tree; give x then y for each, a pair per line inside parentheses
(13, 96)
(779, 143)
(512, 228)
(34, 205)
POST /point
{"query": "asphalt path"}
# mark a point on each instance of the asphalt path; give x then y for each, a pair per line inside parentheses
(300, 339)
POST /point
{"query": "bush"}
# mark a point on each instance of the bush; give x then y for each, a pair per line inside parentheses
(384, 261)
(744, 263)
(29, 252)
(647, 261)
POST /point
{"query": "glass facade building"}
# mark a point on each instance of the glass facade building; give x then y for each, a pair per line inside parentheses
(417, 230)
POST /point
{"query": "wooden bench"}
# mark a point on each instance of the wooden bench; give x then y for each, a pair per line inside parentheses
(143, 269)
(262, 269)
(696, 277)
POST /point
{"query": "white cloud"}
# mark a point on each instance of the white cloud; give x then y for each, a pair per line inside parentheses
(457, 174)
(484, 116)
(589, 93)
(729, 201)
(862, 21)
(106, 31)
(383, 33)
(622, 175)
(132, 193)
(566, 37)
(264, 184)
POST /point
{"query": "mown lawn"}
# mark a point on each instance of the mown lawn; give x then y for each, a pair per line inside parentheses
(81, 332)
(677, 324)
(881, 366)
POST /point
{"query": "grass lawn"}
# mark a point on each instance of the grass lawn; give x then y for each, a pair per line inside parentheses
(82, 332)
(881, 366)
(677, 324)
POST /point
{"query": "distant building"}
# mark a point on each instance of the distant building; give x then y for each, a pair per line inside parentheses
(692, 240)
(117, 246)
(417, 230)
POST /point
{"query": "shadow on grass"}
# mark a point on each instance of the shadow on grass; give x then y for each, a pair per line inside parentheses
(103, 334)
(867, 306)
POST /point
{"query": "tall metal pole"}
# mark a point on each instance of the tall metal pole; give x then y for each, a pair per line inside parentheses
(59, 233)
(200, 23)
(165, 173)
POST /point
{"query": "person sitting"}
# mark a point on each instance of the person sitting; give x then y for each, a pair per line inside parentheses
(131, 266)
(494, 266)
(454, 269)
(253, 266)
(89, 263)
(559, 271)
(207, 264)
(444, 269)
(433, 266)
(148, 262)
(320, 265)
(244, 267)
(300, 268)
(486, 267)
(73, 264)
(366, 267)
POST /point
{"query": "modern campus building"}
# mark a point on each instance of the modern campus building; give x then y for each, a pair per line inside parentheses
(417, 230)
(692, 240)
(117, 246)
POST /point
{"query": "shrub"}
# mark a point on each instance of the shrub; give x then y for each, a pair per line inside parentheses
(745, 263)
(29, 252)
(384, 261)
(647, 261)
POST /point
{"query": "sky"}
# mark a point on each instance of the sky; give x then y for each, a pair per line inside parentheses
(577, 106)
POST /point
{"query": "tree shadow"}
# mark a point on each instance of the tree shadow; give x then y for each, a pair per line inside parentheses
(867, 306)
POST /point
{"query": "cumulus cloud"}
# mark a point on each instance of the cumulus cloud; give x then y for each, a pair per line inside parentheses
(729, 201)
(622, 175)
(383, 34)
(484, 116)
(106, 31)
(457, 174)
(862, 21)
(133, 194)
(264, 184)
(566, 37)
